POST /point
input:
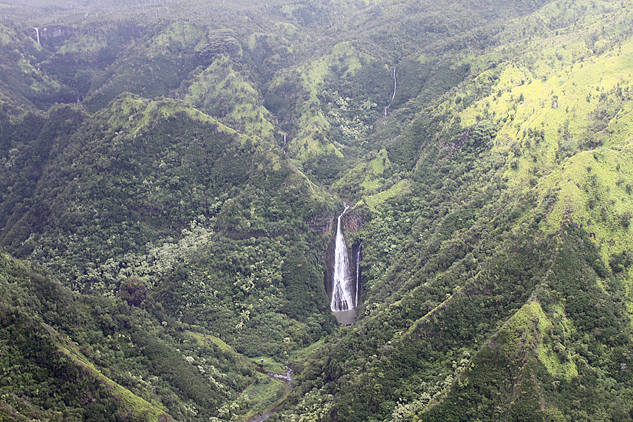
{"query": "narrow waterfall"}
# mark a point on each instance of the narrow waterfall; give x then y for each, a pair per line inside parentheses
(359, 256)
(343, 288)
(395, 86)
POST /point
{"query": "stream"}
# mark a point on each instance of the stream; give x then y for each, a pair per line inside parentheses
(262, 418)
(287, 378)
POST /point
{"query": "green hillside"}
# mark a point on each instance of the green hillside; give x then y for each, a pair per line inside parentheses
(170, 178)
(71, 357)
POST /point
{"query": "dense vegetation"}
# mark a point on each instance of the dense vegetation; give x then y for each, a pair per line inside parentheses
(170, 173)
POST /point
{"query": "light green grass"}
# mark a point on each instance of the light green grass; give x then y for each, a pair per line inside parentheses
(269, 365)
(592, 191)
(554, 86)
(139, 406)
(370, 176)
(528, 330)
(179, 33)
(137, 115)
(262, 396)
(306, 352)
(373, 201)
(202, 340)
(221, 82)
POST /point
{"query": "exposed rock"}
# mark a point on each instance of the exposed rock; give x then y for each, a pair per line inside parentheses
(325, 222)
(352, 221)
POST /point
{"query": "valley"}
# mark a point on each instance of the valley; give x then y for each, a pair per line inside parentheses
(420, 210)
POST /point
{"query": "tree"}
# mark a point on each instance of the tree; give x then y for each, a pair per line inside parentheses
(133, 291)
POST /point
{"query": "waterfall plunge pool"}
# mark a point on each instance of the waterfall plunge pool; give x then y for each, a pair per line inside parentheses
(346, 317)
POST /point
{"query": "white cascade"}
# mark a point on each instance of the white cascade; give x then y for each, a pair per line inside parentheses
(395, 86)
(358, 257)
(343, 292)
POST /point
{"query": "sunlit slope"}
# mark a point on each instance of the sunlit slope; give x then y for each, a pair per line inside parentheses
(563, 120)
(562, 127)
(557, 105)
(497, 285)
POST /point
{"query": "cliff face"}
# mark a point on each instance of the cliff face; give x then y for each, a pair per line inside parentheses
(324, 222)
(328, 277)
(352, 221)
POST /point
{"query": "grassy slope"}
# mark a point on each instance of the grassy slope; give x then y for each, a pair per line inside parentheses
(562, 115)
(572, 96)
(576, 94)
(557, 97)
(15, 275)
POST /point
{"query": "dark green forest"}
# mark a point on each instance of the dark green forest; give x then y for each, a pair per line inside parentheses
(171, 173)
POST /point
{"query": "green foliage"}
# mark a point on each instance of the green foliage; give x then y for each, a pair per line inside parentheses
(68, 356)
(133, 291)
(252, 294)
(619, 262)
(570, 335)
(485, 148)
(154, 66)
(23, 85)
(405, 151)
(219, 91)
(81, 54)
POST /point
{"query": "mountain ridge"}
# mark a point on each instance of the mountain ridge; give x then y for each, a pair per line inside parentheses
(484, 146)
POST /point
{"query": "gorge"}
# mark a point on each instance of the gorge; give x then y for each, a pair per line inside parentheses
(186, 198)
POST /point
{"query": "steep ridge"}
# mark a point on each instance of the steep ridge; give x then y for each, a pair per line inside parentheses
(154, 189)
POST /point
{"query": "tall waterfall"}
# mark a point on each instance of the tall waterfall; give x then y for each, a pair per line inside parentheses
(343, 289)
(359, 255)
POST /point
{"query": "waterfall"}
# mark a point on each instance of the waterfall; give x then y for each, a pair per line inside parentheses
(343, 294)
(395, 86)
(37, 31)
(358, 258)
